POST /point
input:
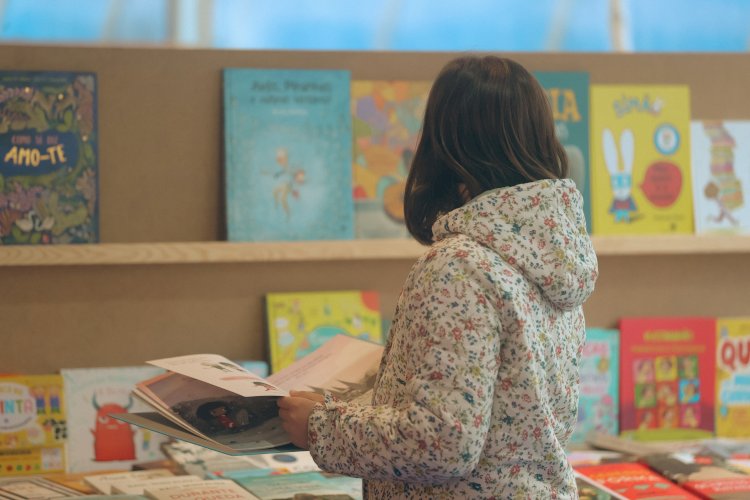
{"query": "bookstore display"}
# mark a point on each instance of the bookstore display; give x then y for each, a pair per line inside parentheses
(310, 151)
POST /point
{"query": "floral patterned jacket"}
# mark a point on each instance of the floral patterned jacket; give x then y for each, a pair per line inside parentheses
(477, 391)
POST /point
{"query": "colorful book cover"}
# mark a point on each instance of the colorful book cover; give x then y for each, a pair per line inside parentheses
(640, 159)
(48, 158)
(98, 441)
(32, 424)
(386, 120)
(667, 377)
(300, 322)
(733, 378)
(599, 390)
(568, 93)
(635, 481)
(288, 155)
(705, 475)
(588, 489)
(720, 153)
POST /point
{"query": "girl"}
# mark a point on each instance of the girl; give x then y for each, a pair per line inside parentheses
(477, 391)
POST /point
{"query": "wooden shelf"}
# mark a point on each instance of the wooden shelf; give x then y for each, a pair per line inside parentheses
(311, 251)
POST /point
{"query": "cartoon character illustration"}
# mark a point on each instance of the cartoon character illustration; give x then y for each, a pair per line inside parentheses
(39, 399)
(688, 367)
(666, 394)
(666, 368)
(217, 412)
(113, 439)
(645, 396)
(644, 371)
(690, 417)
(287, 181)
(668, 417)
(621, 179)
(724, 187)
(689, 391)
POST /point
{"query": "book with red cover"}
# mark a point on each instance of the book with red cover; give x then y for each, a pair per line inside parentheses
(707, 476)
(635, 481)
(667, 377)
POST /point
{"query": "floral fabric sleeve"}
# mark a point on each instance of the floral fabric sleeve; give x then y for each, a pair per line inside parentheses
(439, 376)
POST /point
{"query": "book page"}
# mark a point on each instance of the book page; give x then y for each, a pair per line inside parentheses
(212, 412)
(344, 366)
(220, 372)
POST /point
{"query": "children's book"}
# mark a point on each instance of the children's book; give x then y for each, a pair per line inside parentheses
(213, 489)
(599, 390)
(588, 489)
(303, 485)
(207, 400)
(720, 153)
(640, 159)
(386, 120)
(288, 154)
(33, 428)
(667, 377)
(568, 93)
(139, 486)
(34, 488)
(96, 440)
(733, 377)
(300, 322)
(635, 481)
(102, 483)
(705, 475)
(48, 158)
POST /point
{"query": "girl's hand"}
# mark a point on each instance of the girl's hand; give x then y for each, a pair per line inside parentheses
(294, 412)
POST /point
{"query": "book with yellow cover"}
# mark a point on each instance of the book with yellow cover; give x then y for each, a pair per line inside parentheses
(386, 120)
(300, 322)
(32, 425)
(733, 377)
(640, 159)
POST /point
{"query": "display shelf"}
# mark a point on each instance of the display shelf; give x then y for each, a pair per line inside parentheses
(312, 251)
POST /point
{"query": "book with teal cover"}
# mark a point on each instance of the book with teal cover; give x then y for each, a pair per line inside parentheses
(288, 154)
(568, 92)
(598, 402)
(48, 158)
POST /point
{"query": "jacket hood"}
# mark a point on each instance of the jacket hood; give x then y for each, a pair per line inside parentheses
(538, 228)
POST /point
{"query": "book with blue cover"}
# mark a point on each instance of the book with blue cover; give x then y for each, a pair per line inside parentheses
(48, 158)
(598, 401)
(288, 155)
(568, 93)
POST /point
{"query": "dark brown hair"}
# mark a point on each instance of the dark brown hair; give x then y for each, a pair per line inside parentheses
(488, 124)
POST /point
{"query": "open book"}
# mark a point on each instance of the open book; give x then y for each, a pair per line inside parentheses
(210, 401)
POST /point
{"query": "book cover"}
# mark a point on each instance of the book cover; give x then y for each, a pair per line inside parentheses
(138, 486)
(302, 485)
(667, 377)
(733, 378)
(288, 155)
(706, 476)
(720, 153)
(102, 483)
(212, 489)
(33, 428)
(635, 481)
(588, 489)
(599, 389)
(96, 440)
(568, 93)
(300, 322)
(48, 158)
(386, 120)
(34, 488)
(640, 159)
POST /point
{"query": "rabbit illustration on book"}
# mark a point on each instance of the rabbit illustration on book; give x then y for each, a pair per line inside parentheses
(621, 179)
